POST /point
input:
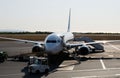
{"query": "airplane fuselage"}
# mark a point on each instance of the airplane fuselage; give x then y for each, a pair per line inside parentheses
(55, 42)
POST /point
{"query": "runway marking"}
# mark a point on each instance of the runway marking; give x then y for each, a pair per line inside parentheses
(113, 46)
(65, 67)
(111, 55)
(12, 74)
(86, 77)
(88, 70)
(114, 75)
(103, 65)
(113, 68)
(117, 74)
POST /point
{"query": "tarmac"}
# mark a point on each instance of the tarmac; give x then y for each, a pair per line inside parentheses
(95, 65)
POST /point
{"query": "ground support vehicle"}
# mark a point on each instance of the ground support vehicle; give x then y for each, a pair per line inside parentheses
(39, 65)
(3, 56)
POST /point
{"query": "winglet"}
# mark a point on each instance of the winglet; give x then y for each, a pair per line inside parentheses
(69, 20)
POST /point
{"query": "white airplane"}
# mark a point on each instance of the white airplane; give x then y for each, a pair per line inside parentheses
(58, 42)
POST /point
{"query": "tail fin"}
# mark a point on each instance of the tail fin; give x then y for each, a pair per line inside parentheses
(69, 21)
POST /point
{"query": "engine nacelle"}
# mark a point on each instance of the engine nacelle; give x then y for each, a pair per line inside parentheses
(83, 50)
(38, 48)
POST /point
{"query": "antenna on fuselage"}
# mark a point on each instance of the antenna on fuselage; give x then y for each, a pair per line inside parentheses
(69, 20)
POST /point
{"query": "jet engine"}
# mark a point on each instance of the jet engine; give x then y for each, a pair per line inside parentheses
(83, 50)
(38, 48)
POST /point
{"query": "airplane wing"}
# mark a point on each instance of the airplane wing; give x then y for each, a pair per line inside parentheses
(21, 40)
(81, 44)
(90, 43)
(108, 41)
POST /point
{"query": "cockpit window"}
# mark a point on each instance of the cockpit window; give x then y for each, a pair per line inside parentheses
(51, 41)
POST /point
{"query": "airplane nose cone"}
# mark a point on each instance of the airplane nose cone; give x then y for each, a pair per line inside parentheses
(52, 49)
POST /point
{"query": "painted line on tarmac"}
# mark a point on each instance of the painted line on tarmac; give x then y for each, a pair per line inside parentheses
(86, 77)
(114, 46)
(113, 68)
(12, 74)
(86, 70)
(65, 67)
(102, 63)
(111, 56)
(117, 74)
(89, 70)
(103, 76)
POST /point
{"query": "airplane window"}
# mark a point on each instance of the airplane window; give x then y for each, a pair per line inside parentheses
(51, 41)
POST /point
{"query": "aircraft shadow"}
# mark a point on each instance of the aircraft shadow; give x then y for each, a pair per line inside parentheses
(31, 75)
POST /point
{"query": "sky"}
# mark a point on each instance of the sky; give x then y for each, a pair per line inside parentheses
(52, 15)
